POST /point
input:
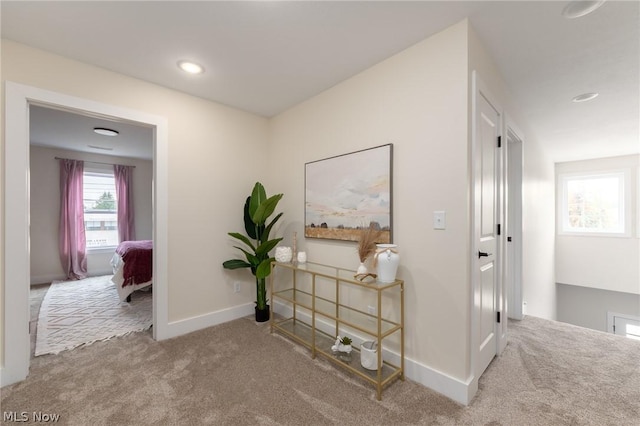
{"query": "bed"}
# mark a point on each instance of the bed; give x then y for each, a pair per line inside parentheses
(132, 267)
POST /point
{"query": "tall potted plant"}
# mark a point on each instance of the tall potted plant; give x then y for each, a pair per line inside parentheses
(257, 245)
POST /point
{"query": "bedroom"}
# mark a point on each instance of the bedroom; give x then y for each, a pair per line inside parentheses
(57, 134)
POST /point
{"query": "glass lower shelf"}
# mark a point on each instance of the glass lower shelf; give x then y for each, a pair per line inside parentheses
(302, 333)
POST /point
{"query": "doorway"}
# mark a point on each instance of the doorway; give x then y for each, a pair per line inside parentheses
(55, 134)
(18, 99)
(513, 274)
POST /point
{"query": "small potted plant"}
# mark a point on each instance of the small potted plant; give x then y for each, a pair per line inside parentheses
(257, 244)
(343, 344)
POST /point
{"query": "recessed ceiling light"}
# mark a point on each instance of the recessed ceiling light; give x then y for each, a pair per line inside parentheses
(584, 97)
(578, 8)
(190, 67)
(105, 132)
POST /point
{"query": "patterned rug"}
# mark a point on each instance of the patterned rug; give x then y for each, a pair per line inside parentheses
(75, 313)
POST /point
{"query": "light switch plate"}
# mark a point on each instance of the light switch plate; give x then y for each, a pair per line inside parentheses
(439, 220)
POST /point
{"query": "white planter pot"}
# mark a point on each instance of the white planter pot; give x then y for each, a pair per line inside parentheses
(387, 260)
(369, 355)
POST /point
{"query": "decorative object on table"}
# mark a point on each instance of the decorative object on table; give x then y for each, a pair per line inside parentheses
(257, 209)
(302, 257)
(345, 191)
(366, 247)
(369, 355)
(294, 251)
(386, 260)
(343, 344)
(284, 254)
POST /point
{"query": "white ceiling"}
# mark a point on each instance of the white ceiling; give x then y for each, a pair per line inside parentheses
(267, 56)
(63, 129)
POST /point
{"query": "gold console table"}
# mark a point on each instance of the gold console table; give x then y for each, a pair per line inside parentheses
(321, 302)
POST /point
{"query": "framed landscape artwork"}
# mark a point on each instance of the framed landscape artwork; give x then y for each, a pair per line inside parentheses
(349, 193)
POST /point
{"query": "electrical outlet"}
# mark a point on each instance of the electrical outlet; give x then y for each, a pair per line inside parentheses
(372, 311)
(236, 287)
(439, 220)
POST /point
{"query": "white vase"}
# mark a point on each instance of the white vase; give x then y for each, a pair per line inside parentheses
(284, 254)
(362, 269)
(387, 260)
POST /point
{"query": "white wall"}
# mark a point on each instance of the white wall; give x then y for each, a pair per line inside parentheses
(416, 100)
(538, 236)
(45, 210)
(588, 307)
(216, 153)
(604, 262)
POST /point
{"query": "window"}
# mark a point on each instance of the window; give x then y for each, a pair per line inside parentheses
(592, 203)
(624, 325)
(100, 208)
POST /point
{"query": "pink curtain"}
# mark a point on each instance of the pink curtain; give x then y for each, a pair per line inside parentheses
(73, 244)
(124, 194)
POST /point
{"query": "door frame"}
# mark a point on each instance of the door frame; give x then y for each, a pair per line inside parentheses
(513, 228)
(480, 89)
(18, 98)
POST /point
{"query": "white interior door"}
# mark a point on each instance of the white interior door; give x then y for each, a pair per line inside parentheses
(485, 262)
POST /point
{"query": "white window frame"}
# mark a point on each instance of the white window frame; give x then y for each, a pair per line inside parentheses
(103, 169)
(624, 196)
(611, 317)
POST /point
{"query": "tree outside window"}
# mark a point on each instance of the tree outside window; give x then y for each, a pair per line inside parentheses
(592, 203)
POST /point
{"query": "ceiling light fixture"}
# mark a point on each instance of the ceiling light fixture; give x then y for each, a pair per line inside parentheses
(190, 67)
(585, 97)
(579, 8)
(106, 132)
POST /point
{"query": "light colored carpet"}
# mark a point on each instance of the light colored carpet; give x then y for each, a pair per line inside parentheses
(239, 374)
(75, 313)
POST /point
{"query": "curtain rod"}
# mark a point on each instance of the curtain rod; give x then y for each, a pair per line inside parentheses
(92, 162)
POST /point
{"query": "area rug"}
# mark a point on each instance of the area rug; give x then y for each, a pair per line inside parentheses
(75, 313)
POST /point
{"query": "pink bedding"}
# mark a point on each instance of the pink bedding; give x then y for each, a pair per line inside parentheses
(137, 257)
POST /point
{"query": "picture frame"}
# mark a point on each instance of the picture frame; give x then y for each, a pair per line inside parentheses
(348, 193)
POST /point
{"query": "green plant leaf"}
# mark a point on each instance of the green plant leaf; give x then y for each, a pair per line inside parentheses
(267, 230)
(264, 269)
(235, 264)
(242, 238)
(346, 341)
(267, 246)
(249, 226)
(265, 209)
(258, 196)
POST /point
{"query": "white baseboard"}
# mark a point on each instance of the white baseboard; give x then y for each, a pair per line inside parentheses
(459, 391)
(45, 279)
(456, 389)
(9, 377)
(188, 325)
(48, 278)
